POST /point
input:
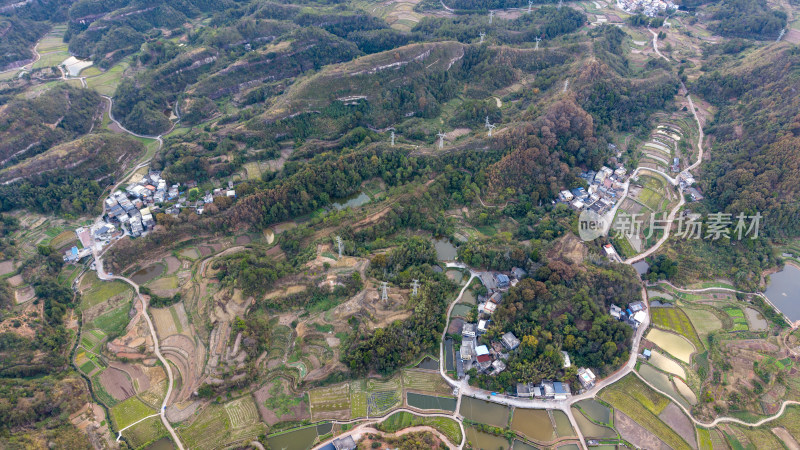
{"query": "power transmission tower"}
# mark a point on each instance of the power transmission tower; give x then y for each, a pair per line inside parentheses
(415, 287)
(487, 122)
(340, 244)
(392, 138)
(560, 3)
(441, 139)
(783, 31)
(483, 35)
(384, 291)
(491, 16)
(491, 127)
(530, 5)
(537, 42)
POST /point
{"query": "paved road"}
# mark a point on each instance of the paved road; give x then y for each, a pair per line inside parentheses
(655, 44)
(101, 274)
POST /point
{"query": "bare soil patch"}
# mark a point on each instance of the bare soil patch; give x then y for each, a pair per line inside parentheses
(6, 267)
(205, 250)
(117, 383)
(243, 239)
(570, 248)
(25, 294)
(16, 280)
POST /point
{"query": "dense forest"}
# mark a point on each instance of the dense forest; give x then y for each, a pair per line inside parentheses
(750, 19)
(563, 307)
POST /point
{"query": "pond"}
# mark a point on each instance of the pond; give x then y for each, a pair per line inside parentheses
(148, 273)
(484, 412)
(641, 267)
(563, 427)
(667, 365)
(591, 429)
(461, 310)
(445, 251)
(674, 344)
(595, 410)
(351, 201)
(455, 276)
(519, 445)
(662, 382)
(784, 291)
(756, 321)
(428, 363)
(535, 424)
(301, 439)
(485, 441)
(422, 401)
(161, 444)
(468, 297)
(685, 391)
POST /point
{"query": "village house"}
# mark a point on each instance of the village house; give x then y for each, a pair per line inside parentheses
(586, 377)
(510, 341)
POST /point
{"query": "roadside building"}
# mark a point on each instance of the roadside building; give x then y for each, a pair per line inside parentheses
(468, 330)
(502, 281)
(586, 377)
(560, 390)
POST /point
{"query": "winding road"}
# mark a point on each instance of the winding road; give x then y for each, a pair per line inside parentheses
(102, 275)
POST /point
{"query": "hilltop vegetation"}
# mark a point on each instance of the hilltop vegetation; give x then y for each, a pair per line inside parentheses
(70, 177)
(29, 127)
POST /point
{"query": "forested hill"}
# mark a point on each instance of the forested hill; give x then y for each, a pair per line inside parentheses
(756, 163)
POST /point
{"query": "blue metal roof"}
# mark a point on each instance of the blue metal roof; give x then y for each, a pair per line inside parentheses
(74, 251)
(558, 387)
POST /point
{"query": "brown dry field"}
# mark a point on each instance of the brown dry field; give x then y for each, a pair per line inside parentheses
(173, 264)
(137, 374)
(677, 420)
(786, 438)
(635, 433)
(165, 325)
(117, 383)
(15, 281)
(6, 267)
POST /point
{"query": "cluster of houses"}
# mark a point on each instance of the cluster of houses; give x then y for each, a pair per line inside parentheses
(650, 8)
(486, 359)
(133, 208)
(556, 390)
(606, 187)
(634, 315)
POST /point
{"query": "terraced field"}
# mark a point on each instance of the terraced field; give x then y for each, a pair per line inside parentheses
(675, 319)
(425, 381)
(329, 398)
(739, 320)
(636, 400)
(221, 426)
